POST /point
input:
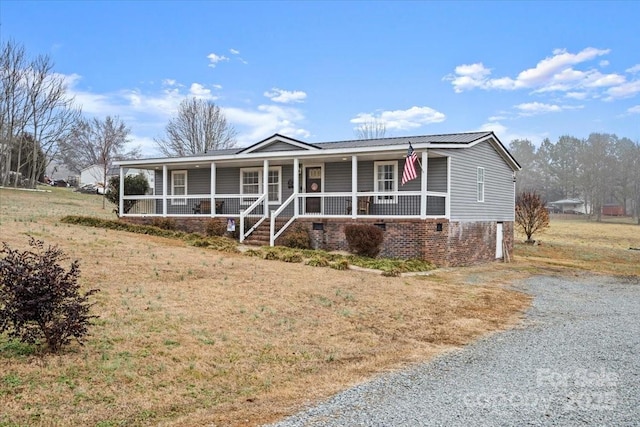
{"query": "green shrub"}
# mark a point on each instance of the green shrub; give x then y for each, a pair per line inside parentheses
(291, 257)
(297, 238)
(164, 223)
(39, 299)
(133, 185)
(364, 240)
(318, 261)
(215, 227)
(342, 264)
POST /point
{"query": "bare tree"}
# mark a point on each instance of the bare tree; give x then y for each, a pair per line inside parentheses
(51, 113)
(373, 129)
(531, 214)
(13, 98)
(97, 142)
(200, 126)
(33, 101)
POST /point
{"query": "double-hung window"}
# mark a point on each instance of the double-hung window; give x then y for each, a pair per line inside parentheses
(251, 183)
(385, 181)
(178, 186)
(480, 182)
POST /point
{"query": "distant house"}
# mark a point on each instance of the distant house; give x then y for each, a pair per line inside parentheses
(458, 210)
(570, 206)
(93, 174)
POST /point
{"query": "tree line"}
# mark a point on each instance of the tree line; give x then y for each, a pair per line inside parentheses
(601, 169)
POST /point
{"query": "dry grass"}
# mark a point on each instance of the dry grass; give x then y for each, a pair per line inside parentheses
(582, 245)
(189, 336)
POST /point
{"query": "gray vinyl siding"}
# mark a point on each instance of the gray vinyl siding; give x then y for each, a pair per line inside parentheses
(499, 200)
(277, 146)
(337, 178)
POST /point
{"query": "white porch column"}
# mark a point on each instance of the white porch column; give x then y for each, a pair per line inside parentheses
(296, 186)
(164, 190)
(265, 186)
(423, 185)
(213, 188)
(354, 186)
(121, 195)
(447, 205)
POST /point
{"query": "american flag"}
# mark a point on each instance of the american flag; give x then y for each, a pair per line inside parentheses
(409, 172)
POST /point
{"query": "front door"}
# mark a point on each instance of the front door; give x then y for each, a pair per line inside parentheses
(313, 184)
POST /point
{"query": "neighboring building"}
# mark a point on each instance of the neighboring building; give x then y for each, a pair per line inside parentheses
(570, 206)
(459, 210)
(93, 174)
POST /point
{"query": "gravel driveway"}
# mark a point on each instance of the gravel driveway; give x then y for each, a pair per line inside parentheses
(574, 361)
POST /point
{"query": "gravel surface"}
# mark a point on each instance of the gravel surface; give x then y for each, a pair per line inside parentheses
(574, 361)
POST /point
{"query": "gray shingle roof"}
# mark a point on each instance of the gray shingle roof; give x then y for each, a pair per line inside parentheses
(451, 138)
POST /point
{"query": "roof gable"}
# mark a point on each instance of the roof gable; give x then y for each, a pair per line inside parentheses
(278, 142)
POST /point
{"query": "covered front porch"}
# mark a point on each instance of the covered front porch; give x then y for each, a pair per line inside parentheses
(274, 192)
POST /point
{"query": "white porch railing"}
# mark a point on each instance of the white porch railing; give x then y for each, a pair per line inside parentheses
(252, 217)
(252, 211)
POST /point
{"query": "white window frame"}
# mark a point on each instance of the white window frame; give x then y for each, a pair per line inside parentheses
(179, 202)
(379, 199)
(480, 175)
(248, 201)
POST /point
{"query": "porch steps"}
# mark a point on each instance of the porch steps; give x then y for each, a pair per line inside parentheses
(260, 236)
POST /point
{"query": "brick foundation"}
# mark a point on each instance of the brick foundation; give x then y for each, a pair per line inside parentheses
(439, 241)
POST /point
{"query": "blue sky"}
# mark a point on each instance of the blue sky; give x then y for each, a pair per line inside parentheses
(316, 70)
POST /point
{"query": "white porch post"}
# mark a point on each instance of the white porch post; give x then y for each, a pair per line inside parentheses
(164, 190)
(213, 188)
(296, 186)
(265, 186)
(423, 185)
(447, 206)
(354, 186)
(121, 195)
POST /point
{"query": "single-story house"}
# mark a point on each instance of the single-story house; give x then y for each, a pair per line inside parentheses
(459, 209)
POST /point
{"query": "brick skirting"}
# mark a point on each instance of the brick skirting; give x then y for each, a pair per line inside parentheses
(439, 241)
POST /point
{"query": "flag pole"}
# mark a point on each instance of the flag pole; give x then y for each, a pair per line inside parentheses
(417, 157)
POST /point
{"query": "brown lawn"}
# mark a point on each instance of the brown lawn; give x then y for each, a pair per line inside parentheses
(190, 336)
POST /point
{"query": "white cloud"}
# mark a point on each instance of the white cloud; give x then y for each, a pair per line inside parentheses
(286, 96)
(215, 59)
(234, 51)
(634, 110)
(411, 118)
(147, 112)
(634, 69)
(604, 63)
(554, 73)
(506, 135)
(199, 91)
(535, 108)
(576, 95)
(625, 90)
(265, 121)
